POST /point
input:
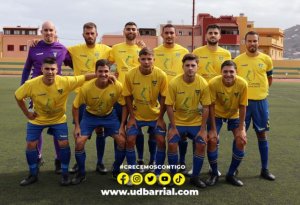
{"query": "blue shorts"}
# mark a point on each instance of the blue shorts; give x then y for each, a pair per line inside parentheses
(189, 131)
(152, 129)
(89, 122)
(231, 124)
(258, 111)
(59, 131)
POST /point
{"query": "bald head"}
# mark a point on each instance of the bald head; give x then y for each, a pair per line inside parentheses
(48, 32)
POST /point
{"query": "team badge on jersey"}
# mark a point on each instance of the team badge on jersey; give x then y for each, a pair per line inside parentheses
(60, 91)
(55, 54)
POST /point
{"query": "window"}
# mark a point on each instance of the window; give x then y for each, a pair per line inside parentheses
(7, 32)
(16, 32)
(180, 33)
(23, 48)
(23, 32)
(190, 33)
(10, 48)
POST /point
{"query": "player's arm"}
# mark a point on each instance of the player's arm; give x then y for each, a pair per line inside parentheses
(123, 120)
(213, 129)
(160, 121)
(131, 119)
(241, 129)
(75, 113)
(203, 131)
(27, 113)
(270, 80)
(27, 69)
(172, 130)
(89, 76)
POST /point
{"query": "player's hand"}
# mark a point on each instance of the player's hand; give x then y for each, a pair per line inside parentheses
(34, 42)
(76, 132)
(203, 133)
(131, 122)
(212, 134)
(241, 133)
(112, 79)
(31, 115)
(116, 74)
(161, 123)
(141, 43)
(122, 131)
(172, 132)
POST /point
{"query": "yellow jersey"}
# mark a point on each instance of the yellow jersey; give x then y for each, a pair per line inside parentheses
(255, 71)
(187, 99)
(170, 59)
(210, 61)
(99, 101)
(145, 90)
(228, 99)
(125, 58)
(49, 102)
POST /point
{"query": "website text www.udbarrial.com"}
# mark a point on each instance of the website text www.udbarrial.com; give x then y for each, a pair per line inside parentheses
(149, 192)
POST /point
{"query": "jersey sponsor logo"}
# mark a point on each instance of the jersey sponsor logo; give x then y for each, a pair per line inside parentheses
(204, 57)
(160, 54)
(41, 94)
(180, 92)
(82, 55)
(60, 91)
(121, 51)
(244, 65)
(39, 54)
(136, 83)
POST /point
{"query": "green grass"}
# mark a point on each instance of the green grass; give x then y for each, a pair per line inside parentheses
(284, 162)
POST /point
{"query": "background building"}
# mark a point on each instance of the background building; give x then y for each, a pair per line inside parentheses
(16, 40)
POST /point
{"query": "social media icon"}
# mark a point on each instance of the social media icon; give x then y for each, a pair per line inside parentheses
(164, 179)
(179, 179)
(136, 179)
(150, 178)
(123, 178)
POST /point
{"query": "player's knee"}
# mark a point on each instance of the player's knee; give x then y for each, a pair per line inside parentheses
(121, 141)
(261, 135)
(31, 144)
(80, 142)
(161, 143)
(172, 147)
(63, 143)
(130, 141)
(212, 142)
(240, 144)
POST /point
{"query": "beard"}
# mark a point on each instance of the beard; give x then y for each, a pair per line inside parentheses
(90, 41)
(212, 43)
(130, 37)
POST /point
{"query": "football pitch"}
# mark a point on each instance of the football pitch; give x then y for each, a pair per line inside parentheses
(284, 162)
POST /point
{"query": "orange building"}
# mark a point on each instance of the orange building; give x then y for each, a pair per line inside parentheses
(270, 39)
(15, 41)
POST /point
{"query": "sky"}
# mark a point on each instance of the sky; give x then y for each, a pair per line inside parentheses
(111, 15)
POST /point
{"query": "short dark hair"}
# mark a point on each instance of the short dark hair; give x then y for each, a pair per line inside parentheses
(146, 51)
(89, 25)
(49, 60)
(228, 63)
(213, 26)
(190, 57)
(130, 23)
(250, 33)
(168, 26)
(102, 62)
